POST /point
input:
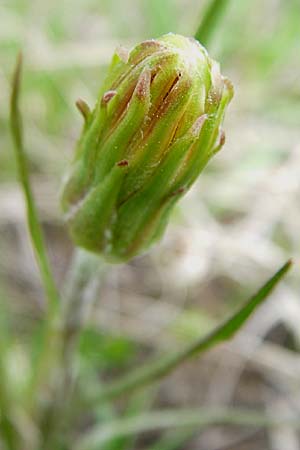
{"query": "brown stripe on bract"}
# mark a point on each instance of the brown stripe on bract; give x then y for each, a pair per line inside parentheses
(123, 163)
(121, 109)
(169, 98)
(222, 137)
(217, 83)
(140, 88)
(198, 124)
(143, 84)
(196, 130)
(178, 191)
(229, 86)
(141, 59)
(107, 96)
(138, 67)
(144, 49)
(153, 106)
(163, 107)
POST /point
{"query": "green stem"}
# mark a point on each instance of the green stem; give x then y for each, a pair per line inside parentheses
(86, 271)
(210, 20)
(34, 226)
(160, 368)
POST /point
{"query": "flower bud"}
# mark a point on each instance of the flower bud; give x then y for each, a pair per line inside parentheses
(155, 126)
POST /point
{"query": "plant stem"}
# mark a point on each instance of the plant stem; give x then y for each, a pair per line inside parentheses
(83, 281)
(85, 275)
(210, 20)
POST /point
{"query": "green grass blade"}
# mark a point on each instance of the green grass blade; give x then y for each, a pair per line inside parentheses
(210, 21)
(161, 367)
(32, 216)
(180, 419)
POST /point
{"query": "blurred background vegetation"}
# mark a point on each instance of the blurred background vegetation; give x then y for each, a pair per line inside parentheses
(234, 228)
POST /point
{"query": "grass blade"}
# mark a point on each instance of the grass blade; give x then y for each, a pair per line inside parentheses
(200, 418)
(161, 367)
(32, 216)
(210, 20)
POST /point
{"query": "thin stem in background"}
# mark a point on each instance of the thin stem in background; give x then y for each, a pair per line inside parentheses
(34, 226)
(210, 20)
(85, 277)
(160, 368)
(82, 284)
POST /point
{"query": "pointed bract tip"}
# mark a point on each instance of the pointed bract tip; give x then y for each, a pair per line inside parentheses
(143, 84)
(83, 108)
(198, 124)
(222, 138)
(107, 96)
(123, 53)
(217, 82)
(151, 43)
(219, 142)
(123, 163)
(229, 87)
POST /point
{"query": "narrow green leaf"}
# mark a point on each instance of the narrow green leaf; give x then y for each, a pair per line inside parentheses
(32, 216)
(41, 366)
(163, 366)
(210, 20)
(158, 420)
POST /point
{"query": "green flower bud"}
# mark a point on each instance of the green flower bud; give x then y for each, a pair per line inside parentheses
(155, 126)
